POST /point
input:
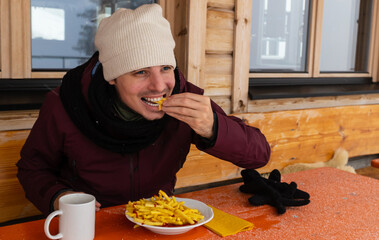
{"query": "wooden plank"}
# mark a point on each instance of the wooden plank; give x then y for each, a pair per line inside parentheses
(175, 11)
(58, 75)
(164, 4)
(218, 64)
(218, 81)
(219, 41)
(223, 4)
(218, 85)
(336, 75)
(27, 36)
(217, 19)
(196, 41)
(218, 74)
(311, 40)
(365, 36)
(17, 120)
(279, 75)
(20, 37)
(13, 204)
(306, 75)
(223, 102)
(240, 81)
(269, 105)
(369, 172)
(313, 135)
(4, 39)
(220, 91)
(374, 45)
(219, 34)
(319, 6)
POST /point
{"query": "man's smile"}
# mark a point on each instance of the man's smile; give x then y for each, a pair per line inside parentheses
(154, 102)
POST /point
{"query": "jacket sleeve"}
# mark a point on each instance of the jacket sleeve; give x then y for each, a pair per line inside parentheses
(236, 142)
(41, 156)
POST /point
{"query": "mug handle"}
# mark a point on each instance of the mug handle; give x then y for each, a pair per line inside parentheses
(47, 224)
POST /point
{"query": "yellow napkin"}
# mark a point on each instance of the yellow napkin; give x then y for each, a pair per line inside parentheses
(225, 224)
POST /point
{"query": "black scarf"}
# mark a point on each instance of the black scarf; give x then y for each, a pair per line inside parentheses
(99, 122)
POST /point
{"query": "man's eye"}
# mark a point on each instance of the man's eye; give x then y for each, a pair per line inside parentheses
(140, 72)
(166, 68)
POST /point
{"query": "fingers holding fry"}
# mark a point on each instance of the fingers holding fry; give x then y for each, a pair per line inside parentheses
(162, 211)
(193, 109)
(160, 102)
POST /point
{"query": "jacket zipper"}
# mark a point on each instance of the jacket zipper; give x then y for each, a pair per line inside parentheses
(134, 183)
(131, 174)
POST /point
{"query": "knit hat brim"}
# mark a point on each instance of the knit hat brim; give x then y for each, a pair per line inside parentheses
(135, 59)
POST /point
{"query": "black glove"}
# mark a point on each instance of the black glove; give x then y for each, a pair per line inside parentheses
(271, 191)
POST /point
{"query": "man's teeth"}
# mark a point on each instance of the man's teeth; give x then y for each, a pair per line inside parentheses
(154, 99)
(152, 104)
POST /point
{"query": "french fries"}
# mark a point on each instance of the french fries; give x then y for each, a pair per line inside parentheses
(162, 211)
(160, 103)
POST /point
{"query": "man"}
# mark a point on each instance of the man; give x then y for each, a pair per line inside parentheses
(102, 132)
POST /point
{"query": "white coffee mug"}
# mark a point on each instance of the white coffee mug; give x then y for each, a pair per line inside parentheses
(77, 217)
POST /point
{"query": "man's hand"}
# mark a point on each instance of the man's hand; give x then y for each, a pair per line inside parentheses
(193, 109)
(56, 202)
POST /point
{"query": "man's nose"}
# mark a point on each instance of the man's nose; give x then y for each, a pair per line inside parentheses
(157, 82)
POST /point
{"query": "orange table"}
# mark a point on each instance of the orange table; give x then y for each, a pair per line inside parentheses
(343, 206)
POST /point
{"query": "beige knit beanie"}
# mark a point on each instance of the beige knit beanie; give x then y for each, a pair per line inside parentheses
(129, 40)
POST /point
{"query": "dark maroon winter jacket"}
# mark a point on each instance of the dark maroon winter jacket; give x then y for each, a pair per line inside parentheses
(57, 156)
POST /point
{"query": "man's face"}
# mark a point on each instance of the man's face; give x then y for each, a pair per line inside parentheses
(141, 88)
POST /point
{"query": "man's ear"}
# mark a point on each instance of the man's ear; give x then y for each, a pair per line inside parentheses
(112, 82)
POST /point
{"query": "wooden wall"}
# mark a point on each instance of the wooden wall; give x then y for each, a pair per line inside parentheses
(210, 61)
(295, 136)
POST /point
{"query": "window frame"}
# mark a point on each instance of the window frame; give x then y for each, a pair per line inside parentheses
(314, 51)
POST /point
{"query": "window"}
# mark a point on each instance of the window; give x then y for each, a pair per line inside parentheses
(345, 36)
(312, 43)
(63, 32)
(279, 35)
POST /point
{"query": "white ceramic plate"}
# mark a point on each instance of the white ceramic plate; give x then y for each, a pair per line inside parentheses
(191, 203)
